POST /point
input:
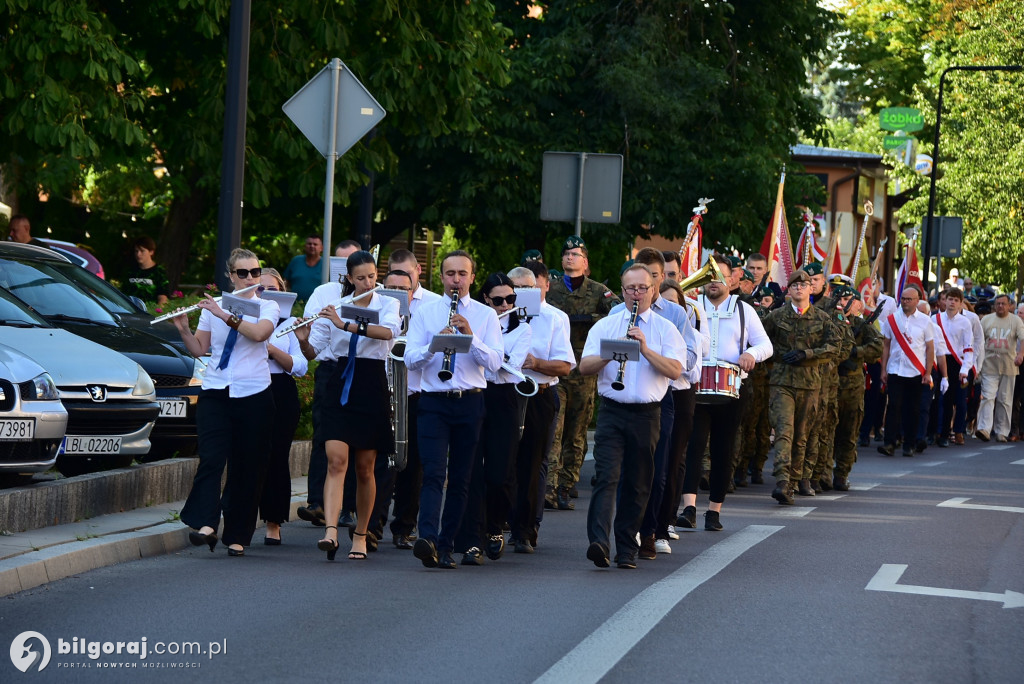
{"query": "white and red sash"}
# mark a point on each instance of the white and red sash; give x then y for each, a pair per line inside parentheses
(949, 342)
(904, 345)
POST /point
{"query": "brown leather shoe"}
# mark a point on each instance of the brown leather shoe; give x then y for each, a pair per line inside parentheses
(958, 439)
(805, 488)
(647, 550)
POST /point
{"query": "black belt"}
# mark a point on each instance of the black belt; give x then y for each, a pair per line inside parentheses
(453, 394)
(643, 405)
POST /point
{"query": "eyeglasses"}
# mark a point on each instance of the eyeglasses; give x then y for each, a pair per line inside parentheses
(499, 301)
(272, 288)
(637, 289)
(798, 284)
(399, 287)
(244, 273)
(574, 255)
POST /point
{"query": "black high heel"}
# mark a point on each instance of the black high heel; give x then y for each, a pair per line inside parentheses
(357, 555)
(371, 539)
(198, 539)
(329, 545)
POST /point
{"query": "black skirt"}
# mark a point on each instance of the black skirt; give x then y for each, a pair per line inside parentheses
(365, 421)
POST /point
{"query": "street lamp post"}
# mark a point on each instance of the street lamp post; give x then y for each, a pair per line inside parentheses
(929, 236)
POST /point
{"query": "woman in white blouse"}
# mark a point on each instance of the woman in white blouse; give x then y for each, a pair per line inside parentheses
(356, 415)
(491, 485)
(231, 417)
(286, 364)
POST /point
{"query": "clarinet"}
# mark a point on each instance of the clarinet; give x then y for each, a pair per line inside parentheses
(618, 384)
(445, 374)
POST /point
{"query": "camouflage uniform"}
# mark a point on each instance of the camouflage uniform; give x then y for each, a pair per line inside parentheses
(867, 348)
(584, 306)
(828, 402)
(756, 430)
(793, 387)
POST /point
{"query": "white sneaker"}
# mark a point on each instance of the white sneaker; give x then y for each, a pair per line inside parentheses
(661, 546)
(672, 532)
(638, 539)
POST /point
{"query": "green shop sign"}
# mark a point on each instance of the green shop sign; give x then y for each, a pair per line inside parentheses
(900, 119)
(892, 142)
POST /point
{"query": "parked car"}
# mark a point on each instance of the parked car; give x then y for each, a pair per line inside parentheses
(32, 419)
(34, 275)
(110, 399)
(77, 255)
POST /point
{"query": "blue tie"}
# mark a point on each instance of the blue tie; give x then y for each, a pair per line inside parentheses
(350, 368)
(229, 345)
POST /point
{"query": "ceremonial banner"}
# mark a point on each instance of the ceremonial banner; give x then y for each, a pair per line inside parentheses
(776, 246)
(808, 246)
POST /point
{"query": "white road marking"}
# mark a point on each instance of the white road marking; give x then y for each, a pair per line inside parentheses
(1020, 462)
(898, 473)
(597, 654)
(863, 486)
(889, 574)
(998, 447)
(929, 464)
(969, 454)
(961, 502)
(795, 512)
(829, 497)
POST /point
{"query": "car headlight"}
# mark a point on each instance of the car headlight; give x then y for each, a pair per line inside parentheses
(198, 373)
(39, 388)
(144, 385)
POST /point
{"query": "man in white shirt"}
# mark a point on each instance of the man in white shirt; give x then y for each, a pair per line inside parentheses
(629, 418)
(451, 411)
(908, 348)
(959, 338)
(1004, 333)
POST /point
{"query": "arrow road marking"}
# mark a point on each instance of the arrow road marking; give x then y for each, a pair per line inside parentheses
(889, 574)
(597, 654)
(961, 502)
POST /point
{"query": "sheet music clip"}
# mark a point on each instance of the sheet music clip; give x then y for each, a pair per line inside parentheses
(359, 314)
(620, 350)
(453, 344)
(240, 306)
(527, 302)
(403, 300)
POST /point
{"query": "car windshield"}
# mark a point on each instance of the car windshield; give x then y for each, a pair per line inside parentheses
(15, 313)
(109, 296)
(49, 293)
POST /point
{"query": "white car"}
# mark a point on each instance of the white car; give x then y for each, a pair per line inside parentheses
(32, 419)
(110, 400)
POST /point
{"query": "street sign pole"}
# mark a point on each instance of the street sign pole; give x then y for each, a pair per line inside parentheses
(332, 158)
(579, 196)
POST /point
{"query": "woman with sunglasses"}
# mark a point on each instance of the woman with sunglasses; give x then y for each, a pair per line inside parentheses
(231, 417)
(286, 364)
(490, 487)
(356, 414)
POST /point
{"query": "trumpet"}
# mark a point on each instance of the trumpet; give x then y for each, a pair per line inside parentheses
(195, 307)
(619, 383)
(445, 374)
(344, 300)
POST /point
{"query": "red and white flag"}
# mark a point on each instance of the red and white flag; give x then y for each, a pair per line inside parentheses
(808, 245)
(775, 245)
(909, 272)
(690, 252)
(833, 262)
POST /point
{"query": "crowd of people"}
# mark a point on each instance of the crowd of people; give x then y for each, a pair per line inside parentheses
(697, 381)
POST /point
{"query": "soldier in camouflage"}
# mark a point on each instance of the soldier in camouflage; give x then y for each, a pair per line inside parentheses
(867, 348)
(756, 429)
(585, 301)
(804, 338)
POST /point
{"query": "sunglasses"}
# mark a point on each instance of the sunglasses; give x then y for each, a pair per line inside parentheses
(499, 301)
(244, 273)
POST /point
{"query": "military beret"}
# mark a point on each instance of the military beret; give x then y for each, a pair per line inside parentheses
(840, 291)
(813, 268)
(747, 275)
(626, 265)
(764, 291)
(801, 276)
(856, 294)
(572, 242)
(734, 261)
(531, 255)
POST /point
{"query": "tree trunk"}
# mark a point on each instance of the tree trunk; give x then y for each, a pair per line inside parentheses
(176, 233)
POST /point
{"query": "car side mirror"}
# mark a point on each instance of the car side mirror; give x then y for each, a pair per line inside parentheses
(138, 303)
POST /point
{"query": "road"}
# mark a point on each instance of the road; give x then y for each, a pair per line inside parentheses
(899, 580)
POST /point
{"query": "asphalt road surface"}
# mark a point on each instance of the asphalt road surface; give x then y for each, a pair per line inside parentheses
(915, 576)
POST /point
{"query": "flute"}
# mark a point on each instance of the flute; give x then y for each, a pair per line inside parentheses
(445, 374)
(344, 300)
(195, 307)
(618, 384)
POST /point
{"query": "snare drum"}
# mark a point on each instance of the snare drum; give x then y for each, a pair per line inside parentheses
(718, 383)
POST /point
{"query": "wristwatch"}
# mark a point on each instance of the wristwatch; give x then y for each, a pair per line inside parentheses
(234, 322)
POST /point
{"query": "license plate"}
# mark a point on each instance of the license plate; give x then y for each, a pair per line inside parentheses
(173, 408)
(20, 430)
(92, 444)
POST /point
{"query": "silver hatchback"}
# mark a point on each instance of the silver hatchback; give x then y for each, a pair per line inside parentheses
(32, 419)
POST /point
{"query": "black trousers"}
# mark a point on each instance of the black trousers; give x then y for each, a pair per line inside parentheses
(318, 453)
(277, 486)
(874, 402)
(682, 427)
(624, 444)
(491, 485)
(901, 417)
(407, 483)
(717, 421)
(232, 432)
(542, 474)
(533, 448)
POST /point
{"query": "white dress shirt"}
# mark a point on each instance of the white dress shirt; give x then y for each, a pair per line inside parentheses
(486, 351)
(420, 296)
(699, 324)
(248, 370)
(331, 342)
(550, 341)
(979, 339)
(677, 316)
(517, 346)
(956, 331)
(643, 384)
(917, 329)
(322, 295)
(289, 344)
(723, 323)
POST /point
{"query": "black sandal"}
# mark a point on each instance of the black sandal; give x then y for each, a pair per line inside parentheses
(357, 555)
(372, 541)
(329, 545)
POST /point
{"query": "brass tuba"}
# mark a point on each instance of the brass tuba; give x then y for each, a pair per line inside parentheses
(398, 384)
(708, 273)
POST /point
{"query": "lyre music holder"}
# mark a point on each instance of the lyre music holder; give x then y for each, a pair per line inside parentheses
(450, 344)
(620, 350)
(360, 314)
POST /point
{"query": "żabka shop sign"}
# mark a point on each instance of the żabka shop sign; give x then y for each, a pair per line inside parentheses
(900, 119)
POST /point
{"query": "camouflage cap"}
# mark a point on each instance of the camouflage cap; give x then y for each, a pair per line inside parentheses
(811, 269)
(747, 275)
(572, 242)
(531, 255)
